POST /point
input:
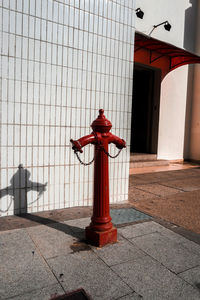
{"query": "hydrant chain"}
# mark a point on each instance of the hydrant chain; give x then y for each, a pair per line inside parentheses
(108, 154)
(104, 150)
(100, 147)
(83, 163)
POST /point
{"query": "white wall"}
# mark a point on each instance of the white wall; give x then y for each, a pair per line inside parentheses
(181, 14)
(194, 152)
(157, 11)
(62, 60)
(172, 115)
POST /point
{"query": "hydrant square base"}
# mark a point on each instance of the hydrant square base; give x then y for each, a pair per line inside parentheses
(101, 238)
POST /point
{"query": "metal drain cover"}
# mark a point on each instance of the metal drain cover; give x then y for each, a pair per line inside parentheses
(127, 215)
(79, 294)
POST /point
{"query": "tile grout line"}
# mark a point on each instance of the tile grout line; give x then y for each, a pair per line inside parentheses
(159, 195)
(44, 259)
(173, 272)
(112, 270)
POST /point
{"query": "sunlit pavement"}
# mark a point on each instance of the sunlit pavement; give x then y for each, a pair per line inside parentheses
(173, 196)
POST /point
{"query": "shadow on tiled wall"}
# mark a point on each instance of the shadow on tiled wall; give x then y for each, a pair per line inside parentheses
(19, 188)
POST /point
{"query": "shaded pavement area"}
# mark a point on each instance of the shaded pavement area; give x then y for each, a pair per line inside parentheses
(44, 255)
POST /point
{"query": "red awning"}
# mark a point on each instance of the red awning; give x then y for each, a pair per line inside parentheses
(158, 50)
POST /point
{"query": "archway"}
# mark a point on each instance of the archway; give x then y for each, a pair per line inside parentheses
(153, 59)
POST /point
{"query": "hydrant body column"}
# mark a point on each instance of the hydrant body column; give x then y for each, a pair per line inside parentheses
(101, 214)
(100, 231)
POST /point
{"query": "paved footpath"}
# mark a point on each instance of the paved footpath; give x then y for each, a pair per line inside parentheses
(44, 254)
(149, 261)
(173, 196)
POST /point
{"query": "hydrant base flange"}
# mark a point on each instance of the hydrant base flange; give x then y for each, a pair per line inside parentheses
(101, 238)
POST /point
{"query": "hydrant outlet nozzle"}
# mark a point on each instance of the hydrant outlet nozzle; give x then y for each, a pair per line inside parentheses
(76, 146)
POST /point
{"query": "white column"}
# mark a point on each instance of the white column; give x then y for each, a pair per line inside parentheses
(195, 112)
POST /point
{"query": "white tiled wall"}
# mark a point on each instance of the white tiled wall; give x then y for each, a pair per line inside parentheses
(61, 60)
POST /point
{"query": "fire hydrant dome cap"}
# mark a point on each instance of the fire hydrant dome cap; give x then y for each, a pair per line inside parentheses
(101, 124)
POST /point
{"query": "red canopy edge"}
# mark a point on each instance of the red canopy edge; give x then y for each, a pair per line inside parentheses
(157, 49)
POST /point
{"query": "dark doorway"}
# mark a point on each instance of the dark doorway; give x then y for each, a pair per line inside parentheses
(145, 109)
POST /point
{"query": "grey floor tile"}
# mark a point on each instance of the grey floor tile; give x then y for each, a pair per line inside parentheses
(118, 252)
(78, 225)
(192, 276)
(139, 229)
(86, 270)
(21, 267)
(191, 246)
(54, 239)
(167, 251)
(45, 293)
(14, 241)
(172, 235)
(151, 280)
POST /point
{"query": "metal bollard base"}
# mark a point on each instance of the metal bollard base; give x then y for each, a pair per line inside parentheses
(101, 238)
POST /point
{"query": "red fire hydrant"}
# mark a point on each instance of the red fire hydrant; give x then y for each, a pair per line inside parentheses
(100, 231)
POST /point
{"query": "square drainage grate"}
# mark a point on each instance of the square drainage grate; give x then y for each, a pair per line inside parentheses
(127, 215)
(80, 294)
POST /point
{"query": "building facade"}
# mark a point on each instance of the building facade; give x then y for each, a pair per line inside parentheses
(62, 60)
(177, 123)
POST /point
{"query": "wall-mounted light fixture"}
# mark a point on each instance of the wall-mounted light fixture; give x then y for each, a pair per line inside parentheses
(166, 24)
(139, 13)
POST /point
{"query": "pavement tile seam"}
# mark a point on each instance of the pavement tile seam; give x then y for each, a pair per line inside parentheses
(190, 276)
(160, 262)
(47, 266)
(189, 269)
(128, 240)
(140, 189)
(124, 281)
(145, 234)
(153, 258)
(182, 189)
(30, 291)
(176, 190)
(192, 250)
(187, 281)
(94, 261)
(113, 271)
(125, 261)
(148, 223)
(162, 282)
(172, 187)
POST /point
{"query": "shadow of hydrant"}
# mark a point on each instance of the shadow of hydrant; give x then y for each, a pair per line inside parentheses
(19, 188)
